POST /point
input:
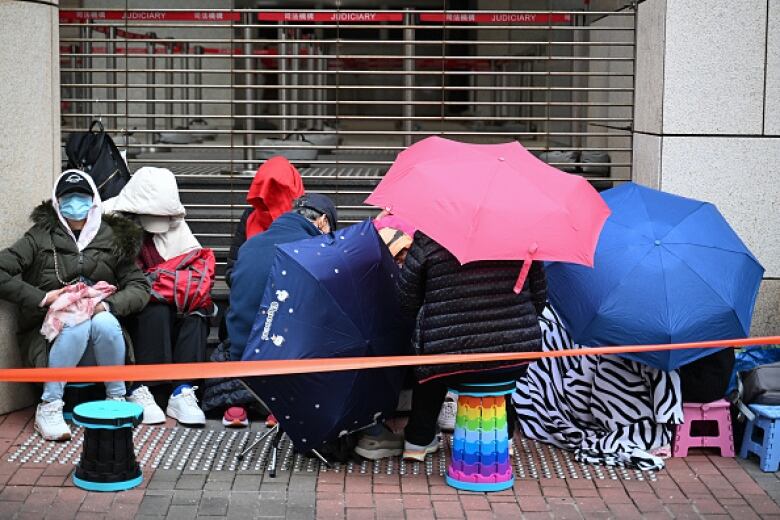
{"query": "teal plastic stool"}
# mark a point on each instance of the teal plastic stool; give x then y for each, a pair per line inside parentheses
(768, 450)
(108, 459)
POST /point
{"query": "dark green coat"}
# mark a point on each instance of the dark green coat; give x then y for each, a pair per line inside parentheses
(27, 272)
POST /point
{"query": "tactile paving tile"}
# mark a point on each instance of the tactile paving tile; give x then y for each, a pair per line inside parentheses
(217, 450)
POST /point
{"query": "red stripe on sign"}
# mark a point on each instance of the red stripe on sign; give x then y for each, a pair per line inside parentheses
(496, 18)
(339, 17)
(150, 16)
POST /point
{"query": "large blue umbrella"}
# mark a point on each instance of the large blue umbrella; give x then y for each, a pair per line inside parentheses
(327, 297)
(667, 270)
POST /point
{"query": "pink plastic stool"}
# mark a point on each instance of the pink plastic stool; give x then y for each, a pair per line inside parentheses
(716, 413)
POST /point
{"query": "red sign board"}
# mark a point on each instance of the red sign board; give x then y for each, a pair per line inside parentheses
(150, 16)
(507, 18)
(333, 16)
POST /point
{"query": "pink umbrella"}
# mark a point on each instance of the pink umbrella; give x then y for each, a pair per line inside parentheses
(493, 202)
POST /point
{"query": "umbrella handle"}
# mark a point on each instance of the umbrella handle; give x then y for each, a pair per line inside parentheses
(527, 261)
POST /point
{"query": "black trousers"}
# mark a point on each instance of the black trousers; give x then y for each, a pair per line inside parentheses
(160, 336)
(427, 399)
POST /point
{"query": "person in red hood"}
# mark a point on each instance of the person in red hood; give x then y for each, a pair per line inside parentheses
(276, 185)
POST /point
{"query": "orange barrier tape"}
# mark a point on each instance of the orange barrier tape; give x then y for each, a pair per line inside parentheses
(189, 371)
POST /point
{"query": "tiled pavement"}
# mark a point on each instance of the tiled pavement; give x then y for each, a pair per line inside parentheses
(699, 486)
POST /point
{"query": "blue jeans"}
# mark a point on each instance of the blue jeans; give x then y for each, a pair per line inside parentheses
(98, 341)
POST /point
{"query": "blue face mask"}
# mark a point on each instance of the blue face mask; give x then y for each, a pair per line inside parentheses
(75, 206)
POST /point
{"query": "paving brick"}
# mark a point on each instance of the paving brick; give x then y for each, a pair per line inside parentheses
(444, 498)
(536, 516)
(682, 511)
(414, 484)
(389, 507)
(51, 481)
(155, 504)
(624, 511)
(506, 510)
(360, 514)
(25, 476)
(592, 505)
(247, 483)
(762, 504)
(218, 485)
(483, 515)
(302, 500)
(270, 507)
(613, 495)
(122, 511)
(215, 504)
(532, 504)
(131, 496)
(557, 491)
(194, 482)
(359, 500)
(448, 509)
(330, 509)
(39, 500)
(56, 470)
(300, 513)
(708, 506)
(188, 497)
(474, 503)
(387, 488)
(647, 502)
(415, 502)
(71, 495)
(96, 502)
(302, 483)
(182, 512)
(15, 493)
(565, 511)
(9, 509)
(585, 492)
(171, 475)
(273, 485)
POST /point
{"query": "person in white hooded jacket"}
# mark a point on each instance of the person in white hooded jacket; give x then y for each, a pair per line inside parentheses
(159, 334)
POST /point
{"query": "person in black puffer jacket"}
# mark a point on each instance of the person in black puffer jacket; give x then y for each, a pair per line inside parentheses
(463, 309)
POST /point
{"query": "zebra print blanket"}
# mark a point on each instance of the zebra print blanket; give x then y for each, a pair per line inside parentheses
(606, 409)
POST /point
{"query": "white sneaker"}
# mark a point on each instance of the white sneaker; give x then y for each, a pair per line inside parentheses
(153, 414)
(50, 423)
(184, 407)
(448, 413)
(417, 453)
(120, 398)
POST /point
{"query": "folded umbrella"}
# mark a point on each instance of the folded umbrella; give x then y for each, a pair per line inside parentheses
(330, 296)
(668, 270)
(493, 202)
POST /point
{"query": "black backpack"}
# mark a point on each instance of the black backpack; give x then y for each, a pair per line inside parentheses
(95, 153)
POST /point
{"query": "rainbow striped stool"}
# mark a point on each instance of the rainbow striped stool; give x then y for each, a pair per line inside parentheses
(480, 445)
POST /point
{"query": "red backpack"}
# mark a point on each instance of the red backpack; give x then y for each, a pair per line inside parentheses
(185, 281)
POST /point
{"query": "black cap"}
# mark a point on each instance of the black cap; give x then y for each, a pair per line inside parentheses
(321, 204)
(73, 182)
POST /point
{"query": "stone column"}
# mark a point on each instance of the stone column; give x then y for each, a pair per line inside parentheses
(707, 119)
(29, 143)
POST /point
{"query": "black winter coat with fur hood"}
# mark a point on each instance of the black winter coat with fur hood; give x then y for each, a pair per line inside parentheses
(469, 309)
(27, 272)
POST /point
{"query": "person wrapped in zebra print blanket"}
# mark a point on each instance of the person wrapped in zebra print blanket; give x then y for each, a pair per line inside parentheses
(606, 409)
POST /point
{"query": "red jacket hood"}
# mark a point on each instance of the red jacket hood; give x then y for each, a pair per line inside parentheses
(276, 185)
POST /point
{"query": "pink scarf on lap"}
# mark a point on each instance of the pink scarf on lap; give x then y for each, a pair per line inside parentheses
(76, 304)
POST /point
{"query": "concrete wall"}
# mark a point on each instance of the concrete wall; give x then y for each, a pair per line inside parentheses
(707, 124)
(29, 143)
